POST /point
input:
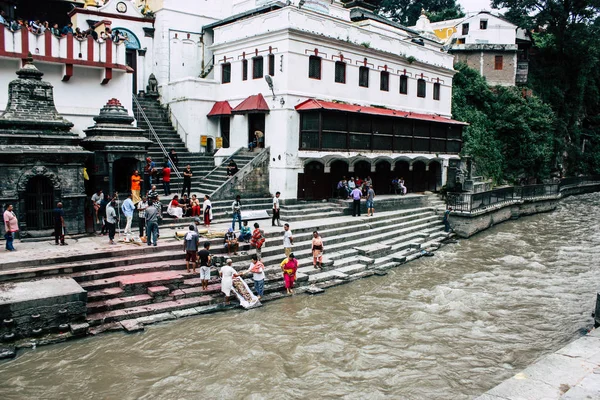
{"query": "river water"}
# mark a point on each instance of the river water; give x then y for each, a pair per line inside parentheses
(446, 327)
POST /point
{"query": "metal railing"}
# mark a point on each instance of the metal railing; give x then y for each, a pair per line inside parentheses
(475, 202)
(178, 126)
(152, 135)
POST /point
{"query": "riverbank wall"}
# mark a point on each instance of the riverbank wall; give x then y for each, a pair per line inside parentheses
(572, 372)
(468, 223)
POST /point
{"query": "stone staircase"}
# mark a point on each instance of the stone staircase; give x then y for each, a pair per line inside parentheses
(215, 178)
(128, 288)
(158, 117)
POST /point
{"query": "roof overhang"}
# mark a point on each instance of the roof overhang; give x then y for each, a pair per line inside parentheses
(255, 104)
(220, 109)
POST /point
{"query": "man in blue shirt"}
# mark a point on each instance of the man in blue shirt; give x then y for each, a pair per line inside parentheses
(68, 29)
(128, 208)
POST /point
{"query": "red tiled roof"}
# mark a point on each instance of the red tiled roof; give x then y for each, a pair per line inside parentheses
(220, 108)
(314, 104)
(253, 104)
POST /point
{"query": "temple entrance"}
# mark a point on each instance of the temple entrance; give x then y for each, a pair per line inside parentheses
(131, 61)
(39, 203)
(362, 169)
(383, 177)
(338, 171)
(434, 176)
(132, 45)
(402, 171)
(314, 186)
(122, 170)
(225, 131)
(419, 176)
(256, 122)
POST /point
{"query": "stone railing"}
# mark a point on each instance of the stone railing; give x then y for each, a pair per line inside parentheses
(250, 181)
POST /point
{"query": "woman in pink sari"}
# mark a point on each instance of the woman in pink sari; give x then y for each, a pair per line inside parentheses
(289, 266)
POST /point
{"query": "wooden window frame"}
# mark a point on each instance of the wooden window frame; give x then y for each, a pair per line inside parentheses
(465, 29)
(255, 61)
(498, 63)
(363, 71)
(343, 65)
(244, 69)
(437, 88)
(223, 67)
(319, 69)
(403, 79)
(421, 88)
(386, 87)
(272, 64)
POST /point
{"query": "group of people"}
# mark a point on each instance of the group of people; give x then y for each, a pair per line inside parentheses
(345, 187)
(11, 226)
(39, 27)
(190, 207)
(398, 186)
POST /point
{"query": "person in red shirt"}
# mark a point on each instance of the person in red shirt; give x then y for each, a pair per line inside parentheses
(166, 176)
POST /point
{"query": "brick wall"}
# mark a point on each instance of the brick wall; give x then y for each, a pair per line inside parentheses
(484, 62)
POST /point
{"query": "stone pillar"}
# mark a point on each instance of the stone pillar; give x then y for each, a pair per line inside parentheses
(110, 175)
(444, 166)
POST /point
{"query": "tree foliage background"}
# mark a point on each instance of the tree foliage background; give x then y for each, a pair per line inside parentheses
(407, 12)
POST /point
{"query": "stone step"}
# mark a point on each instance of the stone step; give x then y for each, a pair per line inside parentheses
(147, 310)
(118, 303)
(104, 294)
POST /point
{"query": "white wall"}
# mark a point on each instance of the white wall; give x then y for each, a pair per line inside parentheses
(498, 30)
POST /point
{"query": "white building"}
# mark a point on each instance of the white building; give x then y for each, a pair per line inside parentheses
(351, 94)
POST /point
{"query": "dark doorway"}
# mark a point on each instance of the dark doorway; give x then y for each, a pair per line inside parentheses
(39, 203)
(131, 61)
(338, 170)
(256, 122)
(434, 176)
(314, 184)
(383, 177)
(225, 131)
(122, 170)
(402, 171)
(419, 176)
(210, 146)
(362, 169)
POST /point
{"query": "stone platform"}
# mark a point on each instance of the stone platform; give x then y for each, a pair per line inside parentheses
(570, 373)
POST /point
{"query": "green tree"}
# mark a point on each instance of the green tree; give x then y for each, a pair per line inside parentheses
(407, 12)
(564, 72)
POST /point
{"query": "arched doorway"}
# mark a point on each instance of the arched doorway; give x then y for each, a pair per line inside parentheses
(39, 203)
(132, 45)
(337, 172)
(434, 176)
(312, 182)
(419, 176)
(122, 170)
(383, 177)
(362, 169)
(402, 171)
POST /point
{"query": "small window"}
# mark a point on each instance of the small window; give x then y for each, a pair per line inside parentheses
(257, 67)
(226, 73)
(403, 84)
(363, 77)
(384, 83)
(436, 91)
(340, 72)
(460, 41)
(465, 29)
(498, 62)
(421, 88)
(314, 67)
(272, 64)
(244, 70)
(483, 24)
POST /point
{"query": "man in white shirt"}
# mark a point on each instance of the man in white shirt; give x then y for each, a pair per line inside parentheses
(111, 221)
(288, 240)
(128, 208)
(276, 209)
(141, 206)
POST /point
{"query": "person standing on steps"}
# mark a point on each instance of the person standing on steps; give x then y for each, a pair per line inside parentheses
(128, 208)
(136, 186)
(151, 224)
(97, 199)
(257, 268)
(276, 209)
(187, 180)
(258, 239)
(166, 175)
(190, 248)
(207, 210)
(356, 194)
(148, 170)
(11, 226)
(205, 259)
(236, 210)
(59, 224)
(370, 201)
(446, 219)
(141, 207)
(111, 221)
(227, 274)
(289, 266)
(288, 240)
(174, 158)
(317, 250)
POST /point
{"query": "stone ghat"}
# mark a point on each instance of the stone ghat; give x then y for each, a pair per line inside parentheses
(151, 285)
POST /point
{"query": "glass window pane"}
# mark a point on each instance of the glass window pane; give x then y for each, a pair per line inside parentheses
(314, 67)
(382, 142)
(334, 140)
(403, 84)
(421, 88)
(363, 77)
(334, 121)
(257, 68)
(360, 142)
(340, 72)
(310, 140)
(384, 83)
(310, 121)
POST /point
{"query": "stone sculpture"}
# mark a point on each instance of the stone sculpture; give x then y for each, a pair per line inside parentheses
(152, 87)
